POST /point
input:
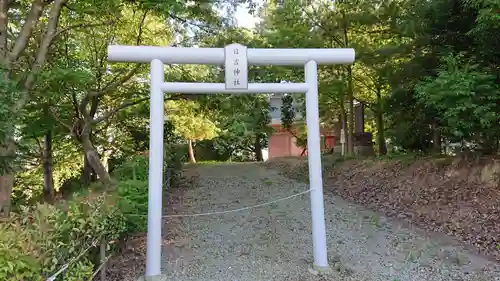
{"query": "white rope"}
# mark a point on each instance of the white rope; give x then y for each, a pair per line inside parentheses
(240, 209)
(100, 267)
(64, 267)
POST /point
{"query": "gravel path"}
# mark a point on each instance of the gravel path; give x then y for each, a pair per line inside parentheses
(274, 242)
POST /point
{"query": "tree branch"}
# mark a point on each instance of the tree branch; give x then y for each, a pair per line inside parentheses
(369, 87)
(64, 124)
(40, 146)
(326, 30)
(24, 36)
(114, 111)
(41, 55)
(4, 20)
(83, 25)
(365, 103)
(113, 84)
(185, 21)
(141, 24)
(245, 148)
(75, 103)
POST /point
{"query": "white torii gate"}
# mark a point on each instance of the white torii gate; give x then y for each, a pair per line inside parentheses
(236, 59)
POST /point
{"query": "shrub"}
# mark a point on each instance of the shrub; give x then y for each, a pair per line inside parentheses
(136, 167)
(132, 187)
(38, 240)
(134, 204)
(175, 157)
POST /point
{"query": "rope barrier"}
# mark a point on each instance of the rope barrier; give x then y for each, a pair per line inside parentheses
(65, 266)
(100, 267)
(234, 210)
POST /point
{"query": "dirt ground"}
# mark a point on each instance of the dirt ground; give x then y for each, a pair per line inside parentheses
(452, 203)
(129, 262)
(447, 196)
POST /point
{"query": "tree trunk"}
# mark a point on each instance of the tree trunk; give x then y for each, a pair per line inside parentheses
(6, 178)
(88, 174)
(191, 152)
(48, 177)
(303, 151)
(436, 138)
(258, 149)
(4, 20)
(382, 146)
(40, 56)
(6, 184)
(94, 160)
(350, 112)
(350, 92)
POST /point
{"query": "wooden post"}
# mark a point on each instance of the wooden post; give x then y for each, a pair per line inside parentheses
(359, 115)
(103, 260)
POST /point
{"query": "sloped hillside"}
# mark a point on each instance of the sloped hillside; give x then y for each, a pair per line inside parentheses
(457, 197)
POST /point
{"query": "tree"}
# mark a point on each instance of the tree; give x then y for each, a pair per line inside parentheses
(466, 99)
(438, 30)
(244, 122)
(21, 62)
(287, 122)
(244, 119)
(40, 37)
(190, 123)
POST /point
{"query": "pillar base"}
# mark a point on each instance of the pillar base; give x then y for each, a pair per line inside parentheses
(320, 270)
(152, 278)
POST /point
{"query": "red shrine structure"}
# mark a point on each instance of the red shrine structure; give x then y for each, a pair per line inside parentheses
(281, 142)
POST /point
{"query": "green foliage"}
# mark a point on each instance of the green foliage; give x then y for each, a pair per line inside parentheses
(438, 95)
(135, 168)
(134, 204)
(132, 186)
(466, 100)
(245, 121)
(132, 190)
(299, 131)
(9, 94)
(175, 157)
(405, 117)
(38, 240)
(287, 112)
(209, 151)
(67, 166)
(189, 121)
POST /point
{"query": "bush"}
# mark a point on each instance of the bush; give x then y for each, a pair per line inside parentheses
(38, 240)
(136, 167)
(132, 187)
(134, 204)
(175, 157)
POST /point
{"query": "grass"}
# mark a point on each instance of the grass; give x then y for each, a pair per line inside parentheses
(374, 220)
(267, 182)
(209, 162)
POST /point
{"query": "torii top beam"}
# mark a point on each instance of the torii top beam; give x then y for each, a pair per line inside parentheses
(174, 55)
